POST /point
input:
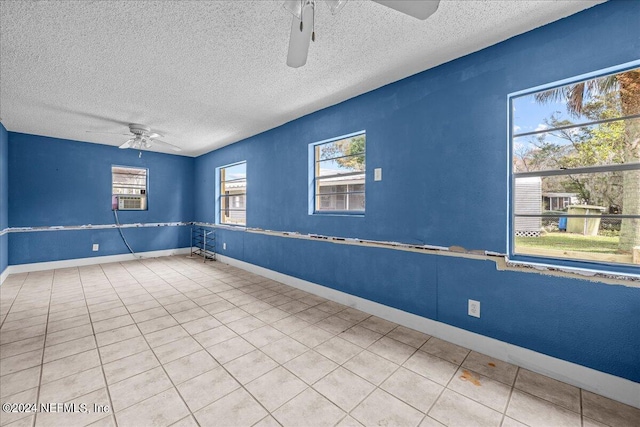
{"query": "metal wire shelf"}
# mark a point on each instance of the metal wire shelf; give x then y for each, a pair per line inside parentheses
(203, 243)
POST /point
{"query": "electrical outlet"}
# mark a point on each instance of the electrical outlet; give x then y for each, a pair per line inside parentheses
(474, 308)
(224, 246)
(96, 247)
(377, 174)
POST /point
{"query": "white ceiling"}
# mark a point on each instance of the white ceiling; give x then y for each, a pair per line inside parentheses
(209, 73)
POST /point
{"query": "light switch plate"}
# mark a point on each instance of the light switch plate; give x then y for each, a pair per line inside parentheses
(377, 174)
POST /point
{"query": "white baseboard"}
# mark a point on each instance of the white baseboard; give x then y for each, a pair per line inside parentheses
(4, 275)
(78, 262)
(607, 385)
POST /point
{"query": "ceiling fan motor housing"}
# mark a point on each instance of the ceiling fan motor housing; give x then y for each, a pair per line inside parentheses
(139, 130)
(143, 137)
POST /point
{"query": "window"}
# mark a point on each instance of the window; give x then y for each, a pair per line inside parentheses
(576, 171)
(233, 194)
(128, 188)
(339, 175)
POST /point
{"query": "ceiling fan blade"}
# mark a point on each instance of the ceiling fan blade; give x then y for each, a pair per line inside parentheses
(293, 6)
(155, 135)
(421, 9)
(62, 109)
(335, 6)
(108, 133)
(299, 40)
(166, 144)
(126, 144)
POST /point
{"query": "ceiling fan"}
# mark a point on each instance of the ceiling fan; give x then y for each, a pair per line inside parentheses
(143, 138)
(304, 11)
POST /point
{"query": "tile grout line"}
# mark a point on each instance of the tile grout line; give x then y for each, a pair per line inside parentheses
(219, 365)
(581, 409)
(546, 400)
(44, 346)
(311, 349)
(81, 286)
(480, 403)
(13, 301)
(307, 386)
(347, 413)
(192, 277)
(513, 387)
(377, 386)
(288, 335)
(445, 387)
(341, 365)
(242, 386)
(44, 336)
(416, 350)
(400, 365)
(204, 283)
(270, 413)
(160, 364)
(24, 352)
(95, 340)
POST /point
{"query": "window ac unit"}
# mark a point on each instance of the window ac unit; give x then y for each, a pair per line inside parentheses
(132, 203)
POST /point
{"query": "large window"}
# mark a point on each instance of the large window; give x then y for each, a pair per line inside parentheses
(576, 170)
(233, 194)
(128, 188)
(339, 175)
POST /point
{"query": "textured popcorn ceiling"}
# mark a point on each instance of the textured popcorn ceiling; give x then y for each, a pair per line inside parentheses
(210, 73)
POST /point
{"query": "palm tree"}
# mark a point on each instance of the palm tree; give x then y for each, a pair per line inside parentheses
(627, 85)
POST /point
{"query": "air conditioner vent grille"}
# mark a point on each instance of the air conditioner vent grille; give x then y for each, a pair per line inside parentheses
(132, 203)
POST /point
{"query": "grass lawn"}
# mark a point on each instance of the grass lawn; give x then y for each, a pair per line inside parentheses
(570, 242)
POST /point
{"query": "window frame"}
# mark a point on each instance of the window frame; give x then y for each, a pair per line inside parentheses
(312, 179)
(144, 194)
(230, 197)
(580, 266)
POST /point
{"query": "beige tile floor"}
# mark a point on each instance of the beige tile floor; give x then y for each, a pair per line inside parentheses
(174, 341)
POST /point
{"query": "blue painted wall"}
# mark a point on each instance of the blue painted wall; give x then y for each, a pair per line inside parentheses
(4, 196)
(57, 182)
(440, 137)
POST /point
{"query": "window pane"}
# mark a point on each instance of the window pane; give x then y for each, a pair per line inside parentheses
(233, 194)
(344, 147)
(340, 193)
(233, 217)
(595, 145)
(233, 187)
(532, 111)
(340, 184)
(128, 180)
(326, 202)
(232, 210)
(340, 175)
(356, 202)
(593, 216)
(340, 202)
(542, 225)
(235, 172)
(614, 192)
(560, 116)
(603, 245)
(343, 165)
(237, 201)
(342, 156)
(326, 188)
